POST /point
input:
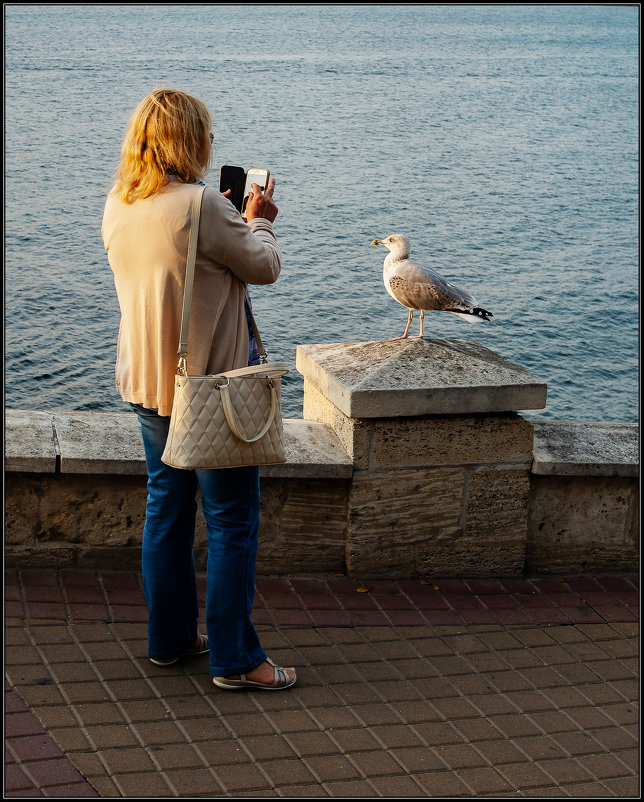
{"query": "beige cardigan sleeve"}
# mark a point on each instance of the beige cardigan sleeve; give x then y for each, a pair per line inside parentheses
(248, 250)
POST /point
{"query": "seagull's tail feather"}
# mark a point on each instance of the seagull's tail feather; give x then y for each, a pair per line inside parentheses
(477, 315)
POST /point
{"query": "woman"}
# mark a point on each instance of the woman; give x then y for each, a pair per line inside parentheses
(146, 224)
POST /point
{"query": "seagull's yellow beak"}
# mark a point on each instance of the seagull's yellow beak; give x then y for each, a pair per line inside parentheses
(376, 242)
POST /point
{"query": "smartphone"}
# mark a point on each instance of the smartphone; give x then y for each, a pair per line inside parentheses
(233, 178)
(254, 176)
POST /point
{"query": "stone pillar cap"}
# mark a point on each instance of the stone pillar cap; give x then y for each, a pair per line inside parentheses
(396, 378)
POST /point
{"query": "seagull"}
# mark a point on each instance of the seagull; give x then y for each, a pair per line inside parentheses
(422, 289)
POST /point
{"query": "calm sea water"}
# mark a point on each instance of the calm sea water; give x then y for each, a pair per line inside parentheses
(502, 139)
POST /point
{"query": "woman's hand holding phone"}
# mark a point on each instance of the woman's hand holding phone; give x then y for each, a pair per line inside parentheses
(261, 204)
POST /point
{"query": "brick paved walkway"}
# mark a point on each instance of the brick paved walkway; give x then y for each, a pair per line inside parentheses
(408, 688)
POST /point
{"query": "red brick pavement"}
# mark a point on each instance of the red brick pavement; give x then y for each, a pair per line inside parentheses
(34, 764)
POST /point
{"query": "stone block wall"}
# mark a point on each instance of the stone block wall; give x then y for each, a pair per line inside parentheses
(583, 512)
(385, 484)
(431, 490)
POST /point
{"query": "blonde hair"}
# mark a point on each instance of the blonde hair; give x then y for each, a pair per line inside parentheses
(167, 134)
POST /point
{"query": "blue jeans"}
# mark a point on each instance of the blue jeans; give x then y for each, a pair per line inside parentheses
(230, 503)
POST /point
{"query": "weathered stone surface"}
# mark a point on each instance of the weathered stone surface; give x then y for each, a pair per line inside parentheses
(313, 450)
(30, 443)
(451, 440)
(354, 435)
(62, 519)
(110, 512)
(582, 524)
(469, 557)
(386, 379)
(302, 525)
(391, 513)
(23, 492)
(496, 506)
(572, 448)
(99, 442)
(110, 443)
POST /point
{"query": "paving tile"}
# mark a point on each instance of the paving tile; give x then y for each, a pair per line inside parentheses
(267, 747)
(192, 782)
(355, 693)
(121, 759)
(376, 764)
(484, 780)
(396, 691)
(614, 738)
(475, 730)
(622, 713)
(458, 756)
(334, 718)
(397, 787)
(524, 775)
(287, 772)
(514, 725)
(604, 766)
(148, 784)
(354, 739)
(22, 724)
(539, 747)
(16, 780)
(553, 721)
(303, 791)
(327, 768)
(441, 783)
(348, 789)
(33, 747)
(565, 771)
(154, 733)
(414, 711)
(176, 756)
(306, 744)
(104, 736)
(292, 721)
(377, 672)
(396, 735)
(584, 790)
(57, 771)
(624, 787)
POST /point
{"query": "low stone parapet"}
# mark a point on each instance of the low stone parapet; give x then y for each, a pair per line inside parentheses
(583, 513)
(76, 493)
(411, 460)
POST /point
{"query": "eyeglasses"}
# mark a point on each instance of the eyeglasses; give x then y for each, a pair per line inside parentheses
(211, 137)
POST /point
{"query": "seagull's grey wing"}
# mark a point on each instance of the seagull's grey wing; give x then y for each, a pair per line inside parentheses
(417, 286)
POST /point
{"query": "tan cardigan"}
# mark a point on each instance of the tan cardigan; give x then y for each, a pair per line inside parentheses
(147, 246)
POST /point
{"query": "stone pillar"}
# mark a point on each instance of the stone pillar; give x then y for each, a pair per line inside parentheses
(441, 458)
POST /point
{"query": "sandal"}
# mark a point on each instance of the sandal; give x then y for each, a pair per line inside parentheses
(201, 648)
(280, 680)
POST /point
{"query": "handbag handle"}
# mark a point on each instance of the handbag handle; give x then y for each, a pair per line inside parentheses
(230, 413)
(182, 351)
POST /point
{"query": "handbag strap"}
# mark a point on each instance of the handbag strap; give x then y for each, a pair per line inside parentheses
(189, 284)
(231, 419)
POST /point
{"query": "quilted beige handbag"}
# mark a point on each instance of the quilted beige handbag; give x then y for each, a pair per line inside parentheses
(226, 420)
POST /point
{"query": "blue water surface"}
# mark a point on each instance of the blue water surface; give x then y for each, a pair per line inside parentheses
(502, 139)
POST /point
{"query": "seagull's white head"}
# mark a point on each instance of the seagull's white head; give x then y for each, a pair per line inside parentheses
(398, 244)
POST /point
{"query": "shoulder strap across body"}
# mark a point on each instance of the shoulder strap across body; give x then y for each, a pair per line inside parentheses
(189, 284)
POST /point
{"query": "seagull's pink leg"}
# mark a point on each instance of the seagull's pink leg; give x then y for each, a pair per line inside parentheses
(406, 334)
(422, 320)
